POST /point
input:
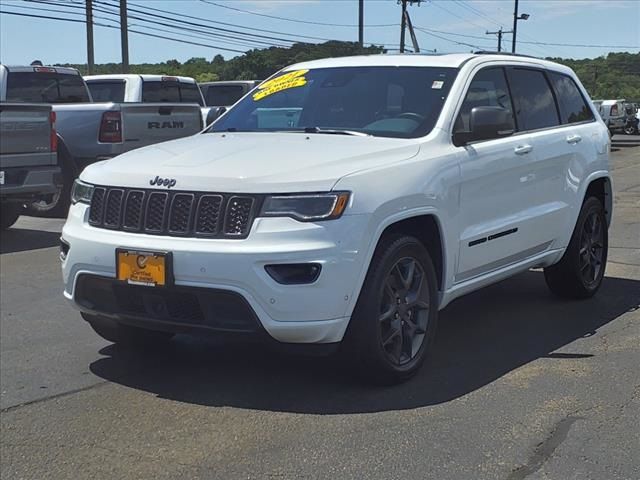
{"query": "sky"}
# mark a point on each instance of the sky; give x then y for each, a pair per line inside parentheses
(443, 25)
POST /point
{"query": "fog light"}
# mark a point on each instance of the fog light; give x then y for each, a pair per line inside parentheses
(64, 250)
(294, 273)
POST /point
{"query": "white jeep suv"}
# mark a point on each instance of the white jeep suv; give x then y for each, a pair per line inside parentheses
(344, 202)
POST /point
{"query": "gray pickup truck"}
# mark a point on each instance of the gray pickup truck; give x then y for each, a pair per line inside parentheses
(89, 132)
(28, 160)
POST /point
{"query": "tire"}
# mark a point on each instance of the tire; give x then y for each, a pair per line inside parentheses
(55, 205)
(9, 214)
(125, 335)
(388, 340)
(630, 130)
(580, 271)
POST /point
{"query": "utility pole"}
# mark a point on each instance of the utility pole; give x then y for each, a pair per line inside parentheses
(499, 33)
(403, 21)
(361, 23)
(403, 24)
(515, 27)
(414, 39)
(516, 17)
(124, 36)
(89, 14)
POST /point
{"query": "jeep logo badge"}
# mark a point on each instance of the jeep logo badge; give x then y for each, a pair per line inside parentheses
(163, 182)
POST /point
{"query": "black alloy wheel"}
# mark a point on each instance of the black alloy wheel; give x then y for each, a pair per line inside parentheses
(404, 311)
(591, 249)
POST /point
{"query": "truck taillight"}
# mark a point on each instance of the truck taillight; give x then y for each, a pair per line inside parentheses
(614, 110)
(111, 128)
(53, 139)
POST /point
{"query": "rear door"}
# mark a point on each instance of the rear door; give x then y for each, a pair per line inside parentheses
(547, 182)
(149, 123)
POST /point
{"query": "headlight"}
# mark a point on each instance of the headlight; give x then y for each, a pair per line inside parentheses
(306, 207)
(81, 192)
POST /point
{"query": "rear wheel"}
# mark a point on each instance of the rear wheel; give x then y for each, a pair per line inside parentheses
(9, 214)
(394, 322)
(125, 335)
(56, 205)
(580, 272)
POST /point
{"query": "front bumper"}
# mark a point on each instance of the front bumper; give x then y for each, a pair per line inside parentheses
(318, 312)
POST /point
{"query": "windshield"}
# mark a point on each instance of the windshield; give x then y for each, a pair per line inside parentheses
(46, 87)
(106, 91)
(382, 101)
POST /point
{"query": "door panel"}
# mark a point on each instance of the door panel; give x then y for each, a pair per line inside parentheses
(500, 207)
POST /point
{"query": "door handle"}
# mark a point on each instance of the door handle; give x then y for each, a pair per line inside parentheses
(574, 139)
(523, 149)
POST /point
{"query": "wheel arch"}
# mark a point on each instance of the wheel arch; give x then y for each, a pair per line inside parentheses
(599, 186)
(425, 225)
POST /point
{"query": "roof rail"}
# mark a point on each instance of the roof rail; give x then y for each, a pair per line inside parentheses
(493, 52)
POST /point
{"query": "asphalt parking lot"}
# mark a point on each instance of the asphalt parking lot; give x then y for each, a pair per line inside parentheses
(521, 385)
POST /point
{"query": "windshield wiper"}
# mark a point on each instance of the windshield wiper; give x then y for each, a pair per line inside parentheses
(331, 131)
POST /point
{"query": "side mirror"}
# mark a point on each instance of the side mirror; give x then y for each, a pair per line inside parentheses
(214, 114)
(486, 123)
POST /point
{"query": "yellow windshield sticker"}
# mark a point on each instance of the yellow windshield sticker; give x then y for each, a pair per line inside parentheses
(283, 82)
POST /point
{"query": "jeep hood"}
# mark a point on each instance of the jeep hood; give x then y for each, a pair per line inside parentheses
(251, 162)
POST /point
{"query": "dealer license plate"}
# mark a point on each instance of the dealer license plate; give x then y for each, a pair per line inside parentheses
(143, 268)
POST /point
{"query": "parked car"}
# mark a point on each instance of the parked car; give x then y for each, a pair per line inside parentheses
(344, 203)
(613, 114)
(147, 89)
(28, 161)
(225, 94)
(89, 132)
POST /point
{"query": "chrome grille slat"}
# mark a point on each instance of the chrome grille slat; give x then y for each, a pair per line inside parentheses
(180, 213)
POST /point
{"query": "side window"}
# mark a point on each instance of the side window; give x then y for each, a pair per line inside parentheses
(532, 97)
(488, 88)
(573, 107)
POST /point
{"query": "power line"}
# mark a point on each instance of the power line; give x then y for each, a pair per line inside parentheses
(478, 47)
(20, 14)
(293, 19)
(155, 23)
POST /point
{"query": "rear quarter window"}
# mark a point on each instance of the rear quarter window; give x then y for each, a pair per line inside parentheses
(573, 106)
(532, 98)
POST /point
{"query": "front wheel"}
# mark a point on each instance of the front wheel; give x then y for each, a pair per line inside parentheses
(394, 322)
(580, 271)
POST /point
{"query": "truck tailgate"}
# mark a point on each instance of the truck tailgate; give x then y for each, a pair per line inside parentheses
(25, 131)
(149, 123)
